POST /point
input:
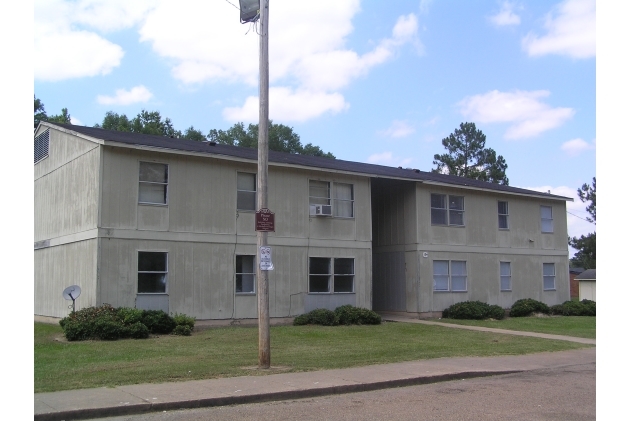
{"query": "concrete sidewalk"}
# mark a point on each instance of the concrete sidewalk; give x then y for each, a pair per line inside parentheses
(135, 399)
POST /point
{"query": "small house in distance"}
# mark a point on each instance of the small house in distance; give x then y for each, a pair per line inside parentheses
(158, 223)
(587, 285)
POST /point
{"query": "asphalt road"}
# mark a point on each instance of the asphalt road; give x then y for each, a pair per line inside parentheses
(556, 394)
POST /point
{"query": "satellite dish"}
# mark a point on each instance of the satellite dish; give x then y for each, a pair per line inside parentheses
(72, 293)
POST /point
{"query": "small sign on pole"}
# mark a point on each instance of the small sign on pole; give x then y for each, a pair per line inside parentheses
(266, 258)
(264, 220)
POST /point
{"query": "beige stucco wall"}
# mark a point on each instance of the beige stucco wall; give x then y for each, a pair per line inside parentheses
(587, 290)
(202, 231)
(58, 267)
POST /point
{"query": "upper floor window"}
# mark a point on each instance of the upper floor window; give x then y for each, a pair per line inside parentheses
(338, 196)
(246, 191)
(41, 145)
(502, 215)
(546, 219)
(447, 209)
(152, 272)
(154, 179)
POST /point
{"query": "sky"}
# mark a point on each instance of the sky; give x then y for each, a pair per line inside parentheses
(369, 81)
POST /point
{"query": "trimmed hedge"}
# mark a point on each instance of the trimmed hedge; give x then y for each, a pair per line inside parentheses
(527, 306)
(476, 310)
(345, 315)
(108, 323)
(575, 308)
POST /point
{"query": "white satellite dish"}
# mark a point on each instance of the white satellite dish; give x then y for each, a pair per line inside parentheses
(72, 293)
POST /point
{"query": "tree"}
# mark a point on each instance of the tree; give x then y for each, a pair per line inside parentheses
(281, 138)
(64, 117)
(147, 122)
(586, 245)
(467, 157)
(39, 114)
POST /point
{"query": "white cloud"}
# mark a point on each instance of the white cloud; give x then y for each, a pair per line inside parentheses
(506, 16)
(66, 44)
(528, 116)
(307, 57)
(288, 105)
(398, 129)
(123, 97)
(75, 121)
(576, 146)
(571, 31)
(386, 158)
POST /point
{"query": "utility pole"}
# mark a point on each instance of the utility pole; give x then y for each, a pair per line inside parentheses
(261, 186)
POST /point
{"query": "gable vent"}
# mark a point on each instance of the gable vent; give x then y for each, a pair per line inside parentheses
(41, 146)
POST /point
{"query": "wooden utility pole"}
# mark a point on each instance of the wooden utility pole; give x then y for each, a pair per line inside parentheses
(261, 186)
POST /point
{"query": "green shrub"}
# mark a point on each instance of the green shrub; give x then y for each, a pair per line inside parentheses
(157, 321)
(351, 315)
(183, 330)
(136, 331)
(184, 320)
(107, 330)
(527, 306)
(129, 316)
(75, 331)
(319, 316)
(575, 308)
(496, 312)
(82, 324)
(476, 310)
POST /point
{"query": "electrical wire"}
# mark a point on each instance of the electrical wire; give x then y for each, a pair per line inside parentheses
(580, 217)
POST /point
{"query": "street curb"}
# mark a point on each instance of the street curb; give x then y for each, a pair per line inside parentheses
(135, 409)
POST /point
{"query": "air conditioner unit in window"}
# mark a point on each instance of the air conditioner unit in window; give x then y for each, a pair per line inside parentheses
(320, 210)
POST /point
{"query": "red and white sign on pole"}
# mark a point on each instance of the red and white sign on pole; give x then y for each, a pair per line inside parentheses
(264, 220)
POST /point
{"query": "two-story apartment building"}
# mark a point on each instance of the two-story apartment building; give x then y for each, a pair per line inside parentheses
(152, 222)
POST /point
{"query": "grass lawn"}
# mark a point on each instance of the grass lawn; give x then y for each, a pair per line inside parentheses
(224, 352)
(579, 326)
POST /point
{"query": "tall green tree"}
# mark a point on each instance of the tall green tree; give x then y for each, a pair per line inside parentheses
(281, 138)
(585, 245)
(467, 157)
(64, 117)
(147, 122)
(39, 114)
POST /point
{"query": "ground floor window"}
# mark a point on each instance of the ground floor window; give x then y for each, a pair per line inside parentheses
(548, 276)
(505, 276)
(246, 275)
(328, 275)
(450, 275)
(152, 272)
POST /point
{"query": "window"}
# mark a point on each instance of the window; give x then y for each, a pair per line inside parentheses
(246, 275)
(246, 191)
(323, 280)
(502, 215)
(154, 179)
(152, 272)
(450, 275)
(443, 215)
(505, 276)
(546, 219)
(343, 200)
(41, 146)
(548, 276)
(339, 195)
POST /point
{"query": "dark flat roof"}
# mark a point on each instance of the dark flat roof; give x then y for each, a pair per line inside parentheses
(380, 171)
(589, 274)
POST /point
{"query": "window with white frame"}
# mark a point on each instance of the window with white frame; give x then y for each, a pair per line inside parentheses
(505, 277)
(548, 276)
(245, 274)
(502, 215)
(152, 272)
(447, 209)
(546, 219)
(154, 179)
(328, 275)
(246, 191)
(40, 145)
(450, 275)
(339, 195)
